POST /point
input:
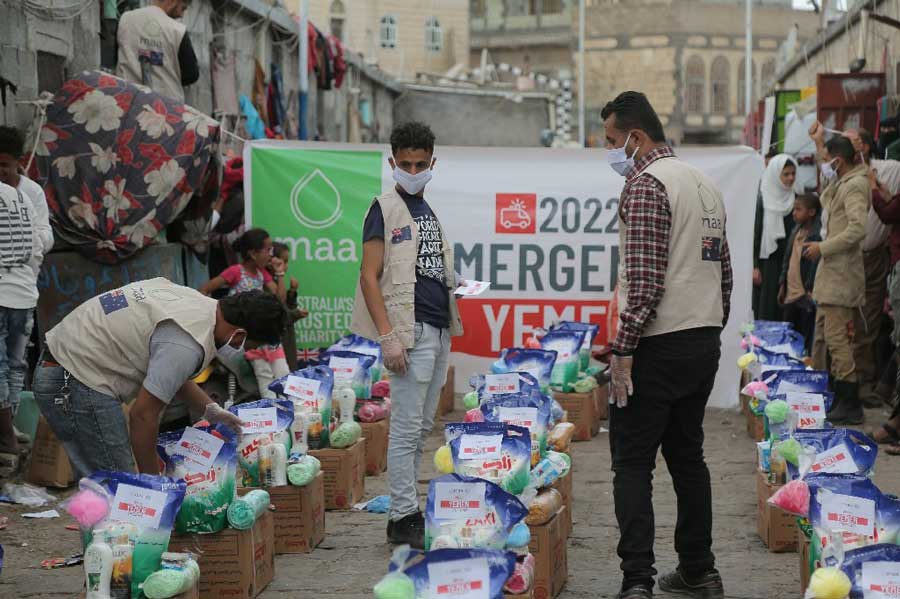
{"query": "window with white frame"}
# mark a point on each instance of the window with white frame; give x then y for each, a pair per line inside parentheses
(434, 36)
(388, 31)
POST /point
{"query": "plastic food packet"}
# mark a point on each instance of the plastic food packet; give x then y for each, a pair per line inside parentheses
(536, 362)
(414, 575)
(793, 497)
(763, 327)
(590, 333)
(543, 507)
(851, 508)
(522, 577)
(310, 390)
(867, 567)
(362, 345)
(828, 583)
(768, 358)
(531, 412)
(811, 408)
(266, 420)
(205, 457)
(509, 383)
(244, 511)
(551, 468)
(785, 341)
(497, 452)
(560, 436)
(178, 573)
(518, 538)
(465, 512)
(567, 345)
(137, 528)
(351, 369)
(837, 451)
(797, 381)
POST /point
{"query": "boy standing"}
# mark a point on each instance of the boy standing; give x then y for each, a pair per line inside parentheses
(404, 300)
(798, 273)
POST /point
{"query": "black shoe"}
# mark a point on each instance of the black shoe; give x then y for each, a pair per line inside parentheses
(409, 530)
(638, 591)
(708, 586)
(846, 409)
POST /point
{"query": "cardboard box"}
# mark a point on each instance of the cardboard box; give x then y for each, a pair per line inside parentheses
(234, 564)
(345, 474)
(803, 545)
(564, 486)
(551, 566)
(299, 516)
(581, 410)
(601, 394)
(745, 405)
(447, 401)
(776, 528)
(376, 436)
(755, 425)
(49, 464)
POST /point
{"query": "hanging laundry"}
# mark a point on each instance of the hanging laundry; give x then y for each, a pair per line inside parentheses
(276, 102)
(325, 67)
(224, 80)
(259, 91)
(254, 125)
(340, 65)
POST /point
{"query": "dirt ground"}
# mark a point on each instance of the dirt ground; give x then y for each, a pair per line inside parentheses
(354, 554)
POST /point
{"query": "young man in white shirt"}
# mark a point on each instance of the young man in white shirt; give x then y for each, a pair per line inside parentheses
(25, 237)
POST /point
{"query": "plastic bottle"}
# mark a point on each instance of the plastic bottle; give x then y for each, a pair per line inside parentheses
(279, 465)
(120, 584)
(300, 433)
(265, 462)
(98, 566)
(548, 470)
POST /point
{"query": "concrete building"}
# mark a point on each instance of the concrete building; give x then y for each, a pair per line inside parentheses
(686, 55)
(847, 39)
(403, 37)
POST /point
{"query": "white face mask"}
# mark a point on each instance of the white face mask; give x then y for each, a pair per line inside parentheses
(412, 184)
(227, 352)
(828, 170)
(618, 159)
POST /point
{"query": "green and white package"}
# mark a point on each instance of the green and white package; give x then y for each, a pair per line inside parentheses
(590, 330)
(266, 418)
(311, 390)
(205, 457)
(567, 345)
(351, 369)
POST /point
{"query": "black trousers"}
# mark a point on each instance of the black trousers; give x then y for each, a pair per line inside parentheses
(673, 375)
(802, 315)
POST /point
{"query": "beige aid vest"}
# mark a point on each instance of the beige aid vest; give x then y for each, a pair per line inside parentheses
(398, 279)
(693, 285)
(105, 342)
(149, 40)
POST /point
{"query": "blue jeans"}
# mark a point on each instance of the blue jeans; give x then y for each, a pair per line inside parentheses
(15, 329)
(90, 425)
(414, 400)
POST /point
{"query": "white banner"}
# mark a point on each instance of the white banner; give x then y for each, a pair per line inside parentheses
(541, 226)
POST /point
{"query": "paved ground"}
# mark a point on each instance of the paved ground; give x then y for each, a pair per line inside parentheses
(354, 556)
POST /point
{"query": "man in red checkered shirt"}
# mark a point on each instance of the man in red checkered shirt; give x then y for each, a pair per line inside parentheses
(674, 292)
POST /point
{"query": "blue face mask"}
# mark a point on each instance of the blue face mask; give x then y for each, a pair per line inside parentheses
(619, 160)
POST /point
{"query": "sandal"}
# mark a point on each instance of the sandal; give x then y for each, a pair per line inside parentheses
(889, 435)
(892, 449)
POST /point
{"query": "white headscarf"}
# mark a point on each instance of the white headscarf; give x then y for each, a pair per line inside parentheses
(777, 201)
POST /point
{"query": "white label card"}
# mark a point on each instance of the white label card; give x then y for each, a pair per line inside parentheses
(459, 501)
(343, 368)
(881, 580)
(141, 507)
(460, 579)
(472, 288)
(498, 384)
(302, 387)
(259, 420)
(518, 416)
(844, 513)
(836, 460)
(199, 448)
(480, 447)
(810, 407)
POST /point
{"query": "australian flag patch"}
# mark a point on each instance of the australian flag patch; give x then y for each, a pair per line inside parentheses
(112, 301)
(401, 234)
(712, 249)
